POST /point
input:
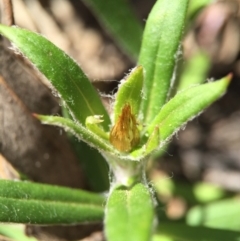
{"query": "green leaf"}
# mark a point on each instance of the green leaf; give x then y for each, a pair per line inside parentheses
(195, 71)
(207, 192)
(180, 232)
(33, 211)
(195, 6)
(24, 202)
(159, 53)
(92, 123)
(129, 214)
(64, 74)
(29, 191)
(185, 105)
(79, 131)
(121, 22)
(149, 147)
(222, 215)
(130, 91)
(94, 165)
(153, 141)
(15, 232)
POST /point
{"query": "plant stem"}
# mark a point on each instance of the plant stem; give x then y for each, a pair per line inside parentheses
(125, 172)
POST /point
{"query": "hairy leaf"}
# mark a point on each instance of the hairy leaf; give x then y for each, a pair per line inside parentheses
(159, 53)
(186, 105)
(129, 214)
(30, 190)
(130, 91)
(78, 130)
(64, 74)
(47, 212)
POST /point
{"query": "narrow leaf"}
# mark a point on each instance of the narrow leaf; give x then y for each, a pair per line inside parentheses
(78, 130)
(15, 232)
(47, 212)
(222, 215)
(149, 147)
(185, 105)
(36, 191)
(92, 123)
(206, 192)
(195, 71)
(159, 53)
(64, 74)
(195, 6)
(94, 165)
(153, 141)
(120, 20)
(183, 232)
(129, 214)
(130, 91)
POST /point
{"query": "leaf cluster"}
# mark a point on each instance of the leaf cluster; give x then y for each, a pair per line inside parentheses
(145, 115)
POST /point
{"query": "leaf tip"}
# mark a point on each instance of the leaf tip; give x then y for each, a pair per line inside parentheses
(229, 77)
(35, 115)
(38, 117)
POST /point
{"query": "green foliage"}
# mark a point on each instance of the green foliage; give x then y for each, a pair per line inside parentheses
(160, 52)
(185, 105)
(144, 119)
(120, 21)
(222, 215)
(129, 208)
(91, 160)
(33, 211)
(78, 130)
(15, 232)
(179, 232)
(25, 202)
(34, 191)
(129, 92)
(94, 165)
(195, 71)
(195, 6)
(66, 77)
